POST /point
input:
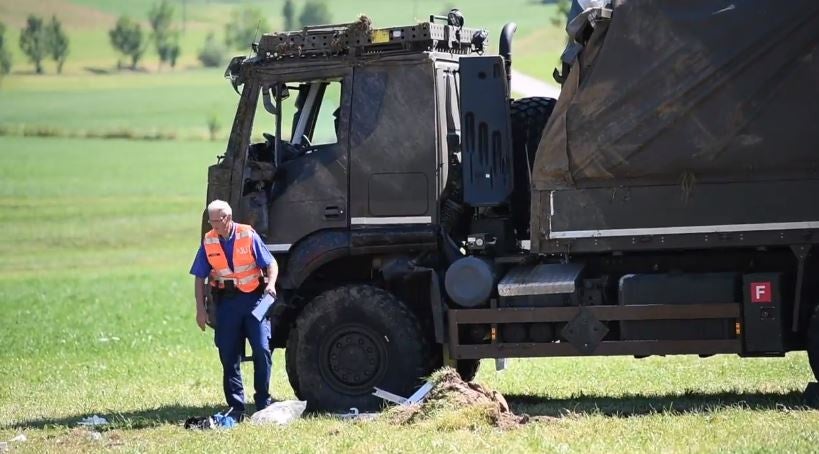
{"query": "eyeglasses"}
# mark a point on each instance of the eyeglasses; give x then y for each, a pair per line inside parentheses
(221, 220)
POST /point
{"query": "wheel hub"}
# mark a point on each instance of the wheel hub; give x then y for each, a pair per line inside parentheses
(353, 359)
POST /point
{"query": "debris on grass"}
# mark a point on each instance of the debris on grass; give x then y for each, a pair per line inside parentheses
(453, 404)
(20, 438)
(200, 423)
(355, 415)
(280, 413)
(93, 421)
(4, 446)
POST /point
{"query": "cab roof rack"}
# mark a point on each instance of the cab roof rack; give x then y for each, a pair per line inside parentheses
(359, 38)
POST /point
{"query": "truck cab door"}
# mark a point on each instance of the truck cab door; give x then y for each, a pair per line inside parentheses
(307, 150)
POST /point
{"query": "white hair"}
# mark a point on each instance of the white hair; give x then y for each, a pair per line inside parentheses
(220, 206)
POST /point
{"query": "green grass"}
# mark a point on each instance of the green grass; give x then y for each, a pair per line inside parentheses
(87, 23)
(94, 98)
(96, 310)
(97, 318)
(180, 102)
(93, 203)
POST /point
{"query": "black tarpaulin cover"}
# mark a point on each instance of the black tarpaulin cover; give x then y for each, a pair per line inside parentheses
(704, 90)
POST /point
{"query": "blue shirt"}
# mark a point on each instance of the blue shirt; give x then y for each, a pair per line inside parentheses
(201, 267)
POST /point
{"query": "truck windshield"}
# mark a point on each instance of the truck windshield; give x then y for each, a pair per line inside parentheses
(309, 112)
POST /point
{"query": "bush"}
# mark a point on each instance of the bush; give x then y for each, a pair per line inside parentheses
(315, 12)
(245, 24)
(126, 38)
(168, 49)
(166, 38)
(213, 52)
(287, 13)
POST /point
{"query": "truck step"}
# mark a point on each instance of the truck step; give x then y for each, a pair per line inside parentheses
(543, 279)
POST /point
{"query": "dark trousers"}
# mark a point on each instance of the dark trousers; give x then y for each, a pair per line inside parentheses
(234, 324)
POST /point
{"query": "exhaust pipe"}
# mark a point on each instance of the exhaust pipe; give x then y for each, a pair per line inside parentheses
(505, 50)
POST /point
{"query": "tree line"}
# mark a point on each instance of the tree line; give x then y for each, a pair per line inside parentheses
(41, 39)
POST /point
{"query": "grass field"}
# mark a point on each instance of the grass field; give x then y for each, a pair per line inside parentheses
(97, 318)
(92, 97)
(87, 23)
(96, 307)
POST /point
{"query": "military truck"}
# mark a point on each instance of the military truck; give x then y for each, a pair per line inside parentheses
(421, 216)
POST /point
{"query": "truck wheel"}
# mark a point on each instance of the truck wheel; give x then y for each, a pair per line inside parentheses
(290, 360)
(354, 338)
(468, 368)
(813, 343)
(528, 118)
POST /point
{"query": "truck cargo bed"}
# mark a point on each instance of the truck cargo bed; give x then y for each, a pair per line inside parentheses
(705, 215)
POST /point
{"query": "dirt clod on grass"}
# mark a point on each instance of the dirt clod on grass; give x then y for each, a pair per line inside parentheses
(454, 404)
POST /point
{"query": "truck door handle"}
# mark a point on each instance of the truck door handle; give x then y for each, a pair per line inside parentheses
(333, 212)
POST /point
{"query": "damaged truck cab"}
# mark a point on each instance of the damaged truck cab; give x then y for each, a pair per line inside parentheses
(339, 155)
(423, 217)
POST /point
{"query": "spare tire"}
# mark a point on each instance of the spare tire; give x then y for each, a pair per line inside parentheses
(528, 117)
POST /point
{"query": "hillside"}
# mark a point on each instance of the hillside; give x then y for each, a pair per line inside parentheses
(88, 21)
(93, 98)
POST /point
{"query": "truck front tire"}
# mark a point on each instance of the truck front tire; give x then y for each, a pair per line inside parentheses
(351, 339)
(813, 343)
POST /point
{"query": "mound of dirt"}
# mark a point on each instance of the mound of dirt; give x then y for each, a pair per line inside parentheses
(454, 404)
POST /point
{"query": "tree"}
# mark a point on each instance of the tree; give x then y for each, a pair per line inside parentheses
(165, 38)
(5, 56)
(34, 42)
(161, 18)
(57, 43)
(562, 13)
(213, 52)
(169, 49)
(287, 12)
(126, 38)
(315, 12)
(245, 23)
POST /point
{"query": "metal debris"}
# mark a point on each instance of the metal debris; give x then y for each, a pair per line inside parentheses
(415, 398)
(355, 415)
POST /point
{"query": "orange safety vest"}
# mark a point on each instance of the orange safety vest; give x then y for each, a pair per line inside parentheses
(245, 273)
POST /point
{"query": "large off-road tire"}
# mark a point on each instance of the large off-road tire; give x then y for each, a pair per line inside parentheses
(529, 117)
(813, 343)
(352, 339)
(468, 368)
(290, 360)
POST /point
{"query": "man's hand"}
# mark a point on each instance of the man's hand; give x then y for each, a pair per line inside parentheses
(271, 289)
(202, 319)
(199, 295)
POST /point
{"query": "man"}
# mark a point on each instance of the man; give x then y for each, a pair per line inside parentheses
(234, 258)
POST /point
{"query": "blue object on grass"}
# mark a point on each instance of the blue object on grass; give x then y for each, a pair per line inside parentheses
(224, 421)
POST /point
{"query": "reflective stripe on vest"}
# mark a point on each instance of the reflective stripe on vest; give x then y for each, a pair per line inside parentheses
(245, 273)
